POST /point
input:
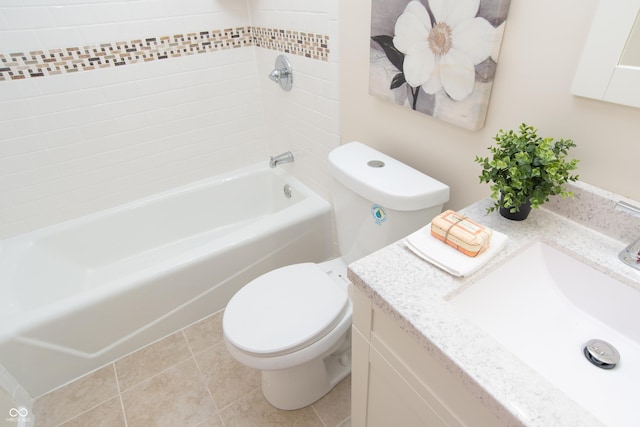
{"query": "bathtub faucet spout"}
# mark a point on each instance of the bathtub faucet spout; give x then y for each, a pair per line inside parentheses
(281, 158)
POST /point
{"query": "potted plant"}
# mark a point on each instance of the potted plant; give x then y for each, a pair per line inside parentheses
(525, 169)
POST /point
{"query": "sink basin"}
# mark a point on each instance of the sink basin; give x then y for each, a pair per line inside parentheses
(544, 306)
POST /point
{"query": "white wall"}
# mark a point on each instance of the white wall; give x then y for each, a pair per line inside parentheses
(540, 51)
(79, 142)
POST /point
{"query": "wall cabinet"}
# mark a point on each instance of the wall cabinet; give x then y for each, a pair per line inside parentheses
(396, 382)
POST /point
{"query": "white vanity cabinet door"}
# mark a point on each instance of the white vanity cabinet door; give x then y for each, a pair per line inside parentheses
(395, 382)
(392, 400)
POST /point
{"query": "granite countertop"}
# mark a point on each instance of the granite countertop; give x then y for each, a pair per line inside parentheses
(415, 293)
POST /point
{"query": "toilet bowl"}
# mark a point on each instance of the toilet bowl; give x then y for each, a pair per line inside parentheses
(294, 323)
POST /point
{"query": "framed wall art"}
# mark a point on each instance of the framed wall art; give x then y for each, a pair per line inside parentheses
(438, 57)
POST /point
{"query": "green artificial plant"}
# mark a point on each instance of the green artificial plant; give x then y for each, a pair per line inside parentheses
(524, 166)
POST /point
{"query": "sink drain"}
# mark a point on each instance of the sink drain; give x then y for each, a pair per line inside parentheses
(602, 354)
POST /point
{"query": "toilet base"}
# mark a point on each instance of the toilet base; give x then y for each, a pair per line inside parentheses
(302, 385)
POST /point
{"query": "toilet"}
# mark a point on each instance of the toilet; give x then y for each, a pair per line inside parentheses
(294, 323)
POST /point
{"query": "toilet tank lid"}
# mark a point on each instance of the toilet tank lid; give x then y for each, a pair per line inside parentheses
(385, 180)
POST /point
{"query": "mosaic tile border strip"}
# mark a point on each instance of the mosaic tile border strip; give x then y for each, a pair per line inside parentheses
(17, 66)
(42, 63)
(315, 46)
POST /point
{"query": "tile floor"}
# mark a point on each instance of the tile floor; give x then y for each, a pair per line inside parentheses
(185, 379)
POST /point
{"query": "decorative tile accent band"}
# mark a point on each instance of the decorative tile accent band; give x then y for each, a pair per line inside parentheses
(41, 63)
(313, 46)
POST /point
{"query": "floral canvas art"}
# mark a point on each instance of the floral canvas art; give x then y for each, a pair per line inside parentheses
(438, 57)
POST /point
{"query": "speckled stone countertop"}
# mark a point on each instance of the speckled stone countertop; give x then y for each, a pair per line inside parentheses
(415, 293)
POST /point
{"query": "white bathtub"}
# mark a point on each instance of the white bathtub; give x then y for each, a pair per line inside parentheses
(81, 294)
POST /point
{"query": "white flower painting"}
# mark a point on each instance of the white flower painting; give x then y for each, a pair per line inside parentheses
(437, 56)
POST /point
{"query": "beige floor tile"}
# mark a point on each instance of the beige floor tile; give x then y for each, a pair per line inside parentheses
(108, 414)
(254, 411)
(227, 379)
(165, 385)
(175, 397)
(335, 407)
(151, 360)
(205, 333)
(75, 398)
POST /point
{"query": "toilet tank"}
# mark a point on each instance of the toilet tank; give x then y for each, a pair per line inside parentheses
(378, 199)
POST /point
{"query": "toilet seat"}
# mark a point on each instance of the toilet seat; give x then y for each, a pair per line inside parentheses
(284, 310)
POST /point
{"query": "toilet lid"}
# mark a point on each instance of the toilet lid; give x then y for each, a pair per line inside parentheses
(284, 310)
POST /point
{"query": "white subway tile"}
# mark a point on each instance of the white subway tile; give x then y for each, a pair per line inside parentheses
(19, 41)
(76, 15)
(14, 109)
(26, 18)
(14, 164)
(3, 22)
(140, 10)
(60, 37)
(18, 146)
(57, 84)
(59, 102)
(54, 138)
(27, 178)
(93, 34)
(191, 7)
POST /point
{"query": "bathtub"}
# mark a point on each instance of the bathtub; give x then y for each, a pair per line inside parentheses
(81, 294)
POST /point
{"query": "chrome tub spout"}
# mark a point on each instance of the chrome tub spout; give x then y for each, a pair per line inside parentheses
(281, 158)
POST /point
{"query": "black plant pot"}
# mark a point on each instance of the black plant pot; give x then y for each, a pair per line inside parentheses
(521, 215)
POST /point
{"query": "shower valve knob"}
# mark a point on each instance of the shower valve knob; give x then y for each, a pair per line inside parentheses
(282, 73)
(276, 75)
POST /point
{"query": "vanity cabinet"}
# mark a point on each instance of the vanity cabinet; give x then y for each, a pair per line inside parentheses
(395, 382)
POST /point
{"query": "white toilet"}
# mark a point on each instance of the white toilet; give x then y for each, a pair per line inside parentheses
(294, 323)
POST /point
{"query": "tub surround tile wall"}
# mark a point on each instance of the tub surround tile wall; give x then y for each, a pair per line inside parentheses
(305, 120)
(88, 141)
(78, 142)
(188, 378)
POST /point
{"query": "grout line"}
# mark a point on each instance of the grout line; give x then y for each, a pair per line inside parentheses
(124, 413)
(189, 346)
(202, 377)
(315, 411)
(94, 406)
(62, 423)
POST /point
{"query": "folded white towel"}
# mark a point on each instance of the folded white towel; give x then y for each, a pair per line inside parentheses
(427, 247)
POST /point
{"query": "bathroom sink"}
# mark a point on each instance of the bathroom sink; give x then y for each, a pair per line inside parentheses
(544, 305)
